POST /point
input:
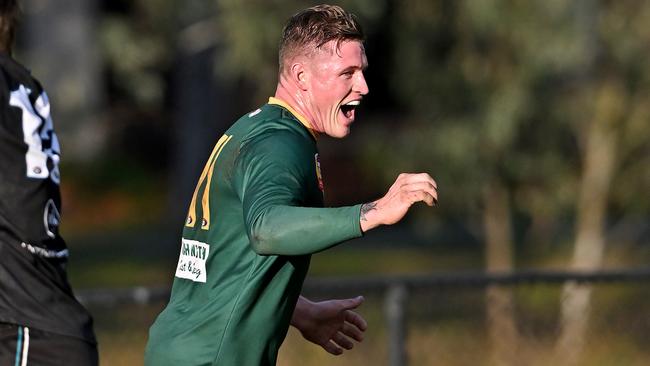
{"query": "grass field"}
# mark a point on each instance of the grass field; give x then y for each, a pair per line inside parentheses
(437, 335)
(446, 326)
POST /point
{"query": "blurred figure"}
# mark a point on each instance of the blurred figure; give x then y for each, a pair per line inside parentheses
(41, 322)
(257, 213)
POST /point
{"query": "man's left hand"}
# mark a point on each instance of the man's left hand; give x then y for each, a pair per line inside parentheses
(331, 324)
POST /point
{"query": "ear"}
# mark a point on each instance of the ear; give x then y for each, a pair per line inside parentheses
(299, 75)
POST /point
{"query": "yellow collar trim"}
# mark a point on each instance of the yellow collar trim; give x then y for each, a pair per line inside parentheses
(300, 117)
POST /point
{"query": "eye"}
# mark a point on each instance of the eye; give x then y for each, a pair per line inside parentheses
(347, 74)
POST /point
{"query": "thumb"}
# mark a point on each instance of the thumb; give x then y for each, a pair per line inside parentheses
(352, 303)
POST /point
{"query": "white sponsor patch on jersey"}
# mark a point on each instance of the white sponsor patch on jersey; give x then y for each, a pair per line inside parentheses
(191, 261)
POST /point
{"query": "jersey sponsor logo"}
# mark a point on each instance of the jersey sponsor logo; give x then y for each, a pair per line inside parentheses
(319, 175)
(51, 218)
(254, 113)
(38, 134)
(191, 261)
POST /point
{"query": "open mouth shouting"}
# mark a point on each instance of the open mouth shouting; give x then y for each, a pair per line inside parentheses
(348, 109)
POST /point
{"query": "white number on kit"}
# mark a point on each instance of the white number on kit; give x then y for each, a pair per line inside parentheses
(38, 128)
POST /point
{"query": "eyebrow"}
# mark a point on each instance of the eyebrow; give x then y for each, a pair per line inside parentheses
(353, 68)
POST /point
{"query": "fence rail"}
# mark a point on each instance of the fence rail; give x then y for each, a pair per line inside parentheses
(395, 290)
(145, 295)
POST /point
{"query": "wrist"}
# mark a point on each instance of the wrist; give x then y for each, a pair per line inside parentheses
(368, 216)
(301, 313)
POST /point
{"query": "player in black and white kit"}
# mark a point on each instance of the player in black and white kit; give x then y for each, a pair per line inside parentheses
(41, 322)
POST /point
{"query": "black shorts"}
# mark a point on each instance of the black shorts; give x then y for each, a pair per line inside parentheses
(23, 346)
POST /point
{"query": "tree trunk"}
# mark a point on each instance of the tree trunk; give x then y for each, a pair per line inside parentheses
(502, 330)
(201, 104)
(598, 170)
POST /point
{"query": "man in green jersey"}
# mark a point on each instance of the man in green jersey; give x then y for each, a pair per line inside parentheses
(257, 213)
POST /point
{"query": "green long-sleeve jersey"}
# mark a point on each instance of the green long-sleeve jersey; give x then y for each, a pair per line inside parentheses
(255, 219)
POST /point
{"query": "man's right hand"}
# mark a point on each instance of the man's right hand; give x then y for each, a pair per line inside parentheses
(390, 209)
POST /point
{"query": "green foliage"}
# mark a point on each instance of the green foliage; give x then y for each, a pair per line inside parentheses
(505, 90)
(250, 32)
(138, 48)
(481, 90)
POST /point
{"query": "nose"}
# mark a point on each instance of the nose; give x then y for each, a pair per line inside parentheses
(360, 85)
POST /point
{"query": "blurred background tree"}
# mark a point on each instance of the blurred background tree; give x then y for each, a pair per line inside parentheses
(532, 116)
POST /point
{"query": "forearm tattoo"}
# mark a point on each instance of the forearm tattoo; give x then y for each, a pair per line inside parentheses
(365, 208)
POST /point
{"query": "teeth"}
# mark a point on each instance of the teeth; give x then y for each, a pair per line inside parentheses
(353, 103)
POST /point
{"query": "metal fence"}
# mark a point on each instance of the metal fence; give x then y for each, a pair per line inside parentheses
(397, 292)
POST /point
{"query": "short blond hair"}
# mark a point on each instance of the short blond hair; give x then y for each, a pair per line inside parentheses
(313, 27)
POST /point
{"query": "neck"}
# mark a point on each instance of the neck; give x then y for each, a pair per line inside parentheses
(296, 99)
